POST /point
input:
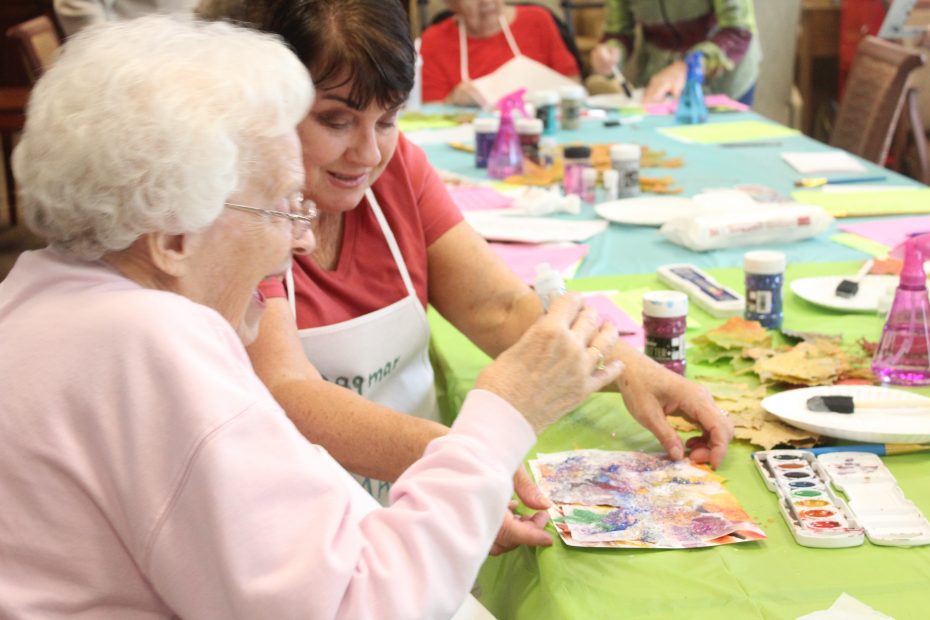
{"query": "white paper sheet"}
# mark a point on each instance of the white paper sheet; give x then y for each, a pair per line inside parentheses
(824, 161)
(846, 607)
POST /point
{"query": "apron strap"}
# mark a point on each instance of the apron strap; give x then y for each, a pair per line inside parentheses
(463, 46)
(392, 244)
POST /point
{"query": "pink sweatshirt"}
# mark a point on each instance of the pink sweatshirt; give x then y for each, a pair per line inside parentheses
(147, 473)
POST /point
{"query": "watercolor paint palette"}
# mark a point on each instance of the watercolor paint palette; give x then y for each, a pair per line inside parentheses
(816, 516)
(874, 496)
(875, 506)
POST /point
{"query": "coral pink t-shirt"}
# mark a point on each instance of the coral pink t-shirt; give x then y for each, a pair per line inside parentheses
(418, 209)
(533, 29)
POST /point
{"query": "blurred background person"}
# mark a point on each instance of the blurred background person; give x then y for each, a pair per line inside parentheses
(76, 14)
(724, 31)
(480, 38)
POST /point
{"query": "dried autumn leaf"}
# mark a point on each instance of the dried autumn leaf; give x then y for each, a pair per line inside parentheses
(804, 364)
(736, 333)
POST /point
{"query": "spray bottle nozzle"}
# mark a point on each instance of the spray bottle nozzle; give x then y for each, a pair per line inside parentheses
(511, 102)
(916, 251)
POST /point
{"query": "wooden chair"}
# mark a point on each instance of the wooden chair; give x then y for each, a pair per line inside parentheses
(876, 94)
(38, 44)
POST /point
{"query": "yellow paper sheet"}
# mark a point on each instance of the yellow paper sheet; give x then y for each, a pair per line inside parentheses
(717, 133)
(857, 242)
(864, 204)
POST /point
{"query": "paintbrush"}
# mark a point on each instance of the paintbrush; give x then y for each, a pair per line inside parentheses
(623, 83)
(881, 449)
(846, 404)
(848, 288)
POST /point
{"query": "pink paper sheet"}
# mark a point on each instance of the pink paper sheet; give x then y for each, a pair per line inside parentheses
(478, 198)
(522, 258)
(610, 311)
(889, 232)
(712, 101)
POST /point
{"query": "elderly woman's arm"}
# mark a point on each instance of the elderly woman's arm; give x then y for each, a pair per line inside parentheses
(477, 292)
(330, 415)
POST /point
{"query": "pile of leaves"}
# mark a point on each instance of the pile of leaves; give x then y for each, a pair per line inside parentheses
(816, 360)
(758, 365)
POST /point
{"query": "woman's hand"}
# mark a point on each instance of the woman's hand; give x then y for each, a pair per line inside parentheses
(651, 392)
(556, 364)
(465, 95)
(604, 58)
(670, 81)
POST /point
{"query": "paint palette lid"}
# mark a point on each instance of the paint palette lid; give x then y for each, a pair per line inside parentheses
(873, 495)
(899, 425)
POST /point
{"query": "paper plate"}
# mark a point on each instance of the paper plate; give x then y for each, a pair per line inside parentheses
(646, 210)
(822, 292)
(875, 426)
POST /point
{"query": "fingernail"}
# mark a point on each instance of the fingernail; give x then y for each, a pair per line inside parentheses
(545, 501)
(677, 453)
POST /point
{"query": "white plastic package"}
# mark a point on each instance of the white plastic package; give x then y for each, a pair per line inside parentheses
(754, 226)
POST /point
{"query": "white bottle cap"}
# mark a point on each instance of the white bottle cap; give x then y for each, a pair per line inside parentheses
(589, 176)
(625, 152)
(486, 124)
(665, 304)
(548, 142)
(573, 92)
(764, 262)
(529, 125)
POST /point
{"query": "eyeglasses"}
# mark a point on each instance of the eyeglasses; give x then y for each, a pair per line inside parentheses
(303, 212)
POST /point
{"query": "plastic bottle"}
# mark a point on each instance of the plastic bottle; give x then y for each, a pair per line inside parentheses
(611, 180)
(589, 185)
(547, 102)
(665, 318)
(530, 131)
(903, 353)
(548, 283)
(572, 98)
(485, 133)
(576, 159)
(506, 158)
(765, 275)
(691, 106)
(624, 158)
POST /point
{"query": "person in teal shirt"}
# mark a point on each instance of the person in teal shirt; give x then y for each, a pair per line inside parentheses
(724, 31)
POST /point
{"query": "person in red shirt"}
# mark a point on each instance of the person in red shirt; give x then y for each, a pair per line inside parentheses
(495, 33)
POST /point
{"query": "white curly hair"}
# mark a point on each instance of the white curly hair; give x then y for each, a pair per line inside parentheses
(149, 125)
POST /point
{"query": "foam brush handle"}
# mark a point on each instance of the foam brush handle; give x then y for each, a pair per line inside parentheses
(863, 271)
(846, 404)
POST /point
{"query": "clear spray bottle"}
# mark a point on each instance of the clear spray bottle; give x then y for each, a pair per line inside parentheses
(506, 158)
(903, 353)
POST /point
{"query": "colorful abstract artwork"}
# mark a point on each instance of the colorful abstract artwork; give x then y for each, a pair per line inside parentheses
(639, 500)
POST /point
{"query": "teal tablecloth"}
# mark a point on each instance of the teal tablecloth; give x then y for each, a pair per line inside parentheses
(629, 249)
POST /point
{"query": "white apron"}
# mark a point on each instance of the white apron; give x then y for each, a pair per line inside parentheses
(518, 72)
(382, 355)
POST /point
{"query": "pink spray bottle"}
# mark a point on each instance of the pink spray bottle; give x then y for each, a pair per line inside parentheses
(903, 353)
(506, 158)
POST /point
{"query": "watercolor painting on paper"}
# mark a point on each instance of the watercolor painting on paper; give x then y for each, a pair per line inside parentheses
(639, 500)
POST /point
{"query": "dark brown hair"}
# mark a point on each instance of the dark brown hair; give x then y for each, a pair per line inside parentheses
(362, 42)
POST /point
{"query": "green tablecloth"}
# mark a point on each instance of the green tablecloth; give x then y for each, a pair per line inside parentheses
(770, 579)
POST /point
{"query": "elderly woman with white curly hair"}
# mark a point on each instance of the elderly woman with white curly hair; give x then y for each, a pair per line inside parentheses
(146, 471)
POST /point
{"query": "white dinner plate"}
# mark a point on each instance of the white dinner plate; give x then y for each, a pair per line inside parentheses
(869, 425)
(646, 210)
(822, 292)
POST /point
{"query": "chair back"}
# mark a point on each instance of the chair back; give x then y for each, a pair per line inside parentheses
(38, 43)
(874, 96)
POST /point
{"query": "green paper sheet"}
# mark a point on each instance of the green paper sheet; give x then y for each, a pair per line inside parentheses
(717, 133)
(857, 242)
(867, 203)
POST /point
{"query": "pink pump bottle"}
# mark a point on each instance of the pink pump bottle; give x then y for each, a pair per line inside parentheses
(903, 353)
(506, 158)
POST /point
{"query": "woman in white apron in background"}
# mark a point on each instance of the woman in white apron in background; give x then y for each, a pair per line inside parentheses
(499, 49)
(353, 373)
